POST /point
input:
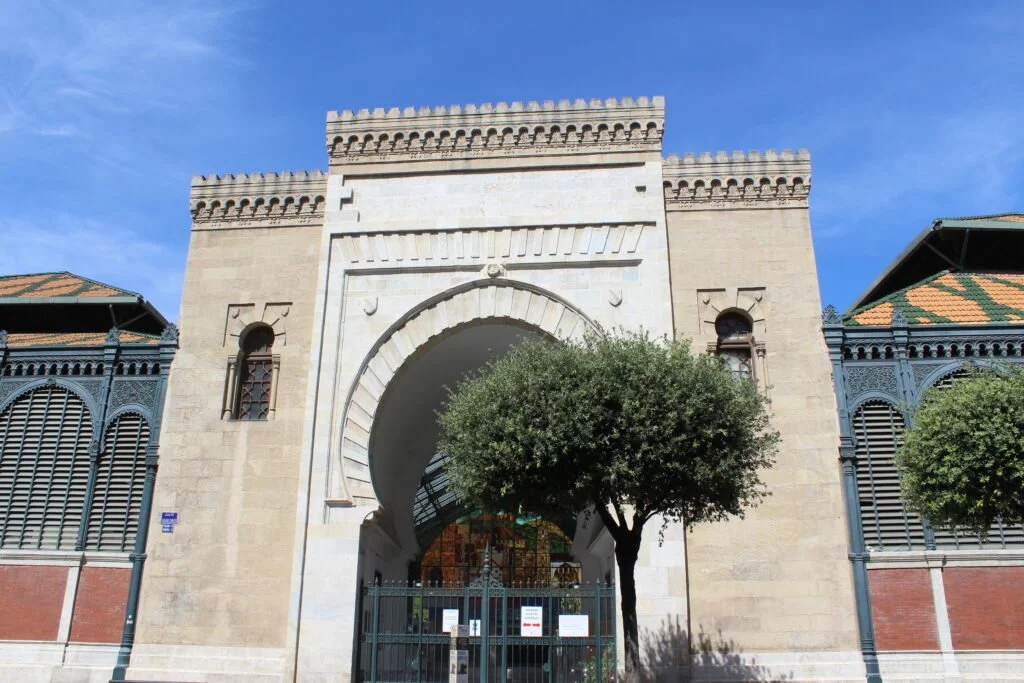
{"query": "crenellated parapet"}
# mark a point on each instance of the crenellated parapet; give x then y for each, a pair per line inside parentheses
(258, 199)
(737, 181)
(496, 130)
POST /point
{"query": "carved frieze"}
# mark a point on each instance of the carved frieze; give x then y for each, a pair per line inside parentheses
(13, 385)
(923, 370)
(258, 199)
(94, 387)
(862, 379)
(737, 180)
(508, 245)
(8, 387)
(496, 130)
(139, 391)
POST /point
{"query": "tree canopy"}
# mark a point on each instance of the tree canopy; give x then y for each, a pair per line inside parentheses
(624, 425)
(962, 461)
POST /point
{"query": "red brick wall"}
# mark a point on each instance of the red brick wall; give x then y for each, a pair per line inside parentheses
(986, 607)
(902, 609)
(99, 605)
(31, 599)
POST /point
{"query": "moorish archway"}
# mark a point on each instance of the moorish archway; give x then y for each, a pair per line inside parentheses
(494, 300)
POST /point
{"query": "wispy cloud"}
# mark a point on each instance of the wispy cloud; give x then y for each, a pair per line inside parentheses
(90, 93)
(975, 155)
(923, 127)
(82, 69)
(107, 252)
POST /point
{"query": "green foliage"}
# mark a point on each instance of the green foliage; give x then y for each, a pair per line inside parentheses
(962, 461)
(612, 420)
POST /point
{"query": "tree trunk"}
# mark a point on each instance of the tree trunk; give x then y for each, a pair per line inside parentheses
(627, 549)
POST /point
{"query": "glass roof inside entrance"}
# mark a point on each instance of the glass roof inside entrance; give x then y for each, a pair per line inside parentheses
(435, 505)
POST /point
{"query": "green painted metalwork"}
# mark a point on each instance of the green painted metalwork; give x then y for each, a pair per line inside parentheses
(401, 637)
(894, 365)
(168, 342)
(40, 456)
(110, 357)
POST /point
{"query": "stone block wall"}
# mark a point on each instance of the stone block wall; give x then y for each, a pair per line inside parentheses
(220, 585)
(778, 580)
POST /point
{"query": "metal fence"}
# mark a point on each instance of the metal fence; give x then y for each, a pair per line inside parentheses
(402, 637)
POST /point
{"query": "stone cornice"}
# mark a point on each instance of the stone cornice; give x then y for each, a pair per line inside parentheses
(258, 199)
(530, 244)
(499, 130)
(737, 181)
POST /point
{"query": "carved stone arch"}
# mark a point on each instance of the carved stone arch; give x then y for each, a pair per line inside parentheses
(751, 303)
(480, 300)
(242, 317)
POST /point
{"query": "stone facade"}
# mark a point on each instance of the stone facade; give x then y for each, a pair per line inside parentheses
(774, 582)
(431, 226)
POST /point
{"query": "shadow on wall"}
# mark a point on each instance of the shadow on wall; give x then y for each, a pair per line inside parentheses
(666, 654)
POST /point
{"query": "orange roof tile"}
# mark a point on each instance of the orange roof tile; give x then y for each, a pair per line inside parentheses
(878, 315)
(946, 304)
(23, 339)
(48, 285)
(948, 297)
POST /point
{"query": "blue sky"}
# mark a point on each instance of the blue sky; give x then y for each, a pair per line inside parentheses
(911, 110)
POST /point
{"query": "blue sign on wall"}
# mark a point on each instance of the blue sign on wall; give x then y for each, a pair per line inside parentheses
(168, 520)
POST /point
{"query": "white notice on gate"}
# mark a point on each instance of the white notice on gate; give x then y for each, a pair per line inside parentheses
(449, 619)
(531, 622)
(573, 626)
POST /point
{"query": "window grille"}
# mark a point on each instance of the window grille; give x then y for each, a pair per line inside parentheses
(44, 469)
(121, 472)
(887, 524)
(736, 344)
(252, 376)
(878, 430)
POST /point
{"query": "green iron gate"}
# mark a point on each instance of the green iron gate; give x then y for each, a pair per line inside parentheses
(401, 638)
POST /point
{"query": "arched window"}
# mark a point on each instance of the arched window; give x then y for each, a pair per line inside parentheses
(878, 432)
(44, 469)
(736, 343)
(256, 370)
(120, 475)
(1000, 535)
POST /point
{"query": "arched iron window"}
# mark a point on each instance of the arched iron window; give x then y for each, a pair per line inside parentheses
(120, 475)
(736, 343)
(255, 374)
(1000, 535)
(878, 431)
(44, 469)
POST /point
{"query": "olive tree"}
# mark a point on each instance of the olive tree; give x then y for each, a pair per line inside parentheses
(962, 460)
(622, 425)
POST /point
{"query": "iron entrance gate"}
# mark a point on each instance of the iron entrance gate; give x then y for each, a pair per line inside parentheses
(401, 638)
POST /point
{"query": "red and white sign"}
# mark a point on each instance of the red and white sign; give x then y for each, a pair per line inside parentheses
(531, 622)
